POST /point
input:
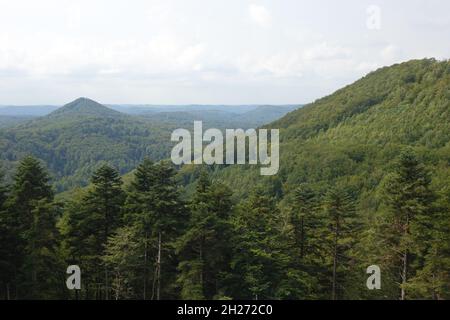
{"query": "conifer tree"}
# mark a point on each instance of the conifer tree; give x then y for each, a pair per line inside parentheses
(340, 212)
(409, 200)
(32, 218)
(305, 219)
(256, 257)
(204, 247)
(90, 222)
(122, 255)
(6, 238)
(154, 208)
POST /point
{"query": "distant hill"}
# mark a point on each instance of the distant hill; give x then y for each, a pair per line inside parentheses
(73, 139)
(84, 107)
(11, 121)
(35, 111)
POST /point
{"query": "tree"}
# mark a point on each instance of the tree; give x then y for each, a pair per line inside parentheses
(6, 241)
(432, 279)
(122, 255)
(340, 210)
(155, 209)
(305, 219)
(90, 222)
(204, 248)
(409, 200)
(257, 261)
(31, 217)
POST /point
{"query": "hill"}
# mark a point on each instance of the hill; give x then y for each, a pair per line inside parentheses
(75, 138)
(352, 136)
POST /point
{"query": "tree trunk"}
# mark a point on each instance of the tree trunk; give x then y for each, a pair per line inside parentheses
(201, 261)
(157, 273)
(302, 243)
(335, 255)
(405, 262)
(158, 288)
(145, 264)
(404, 271)
(106, 285)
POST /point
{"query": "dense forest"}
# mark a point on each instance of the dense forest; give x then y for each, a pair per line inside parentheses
(73, 139)
(364, 180)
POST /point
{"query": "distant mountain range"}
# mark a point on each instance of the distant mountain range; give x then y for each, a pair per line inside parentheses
(43, 110)
(72, 140)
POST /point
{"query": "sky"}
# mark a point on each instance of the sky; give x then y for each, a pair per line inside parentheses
(207, 51)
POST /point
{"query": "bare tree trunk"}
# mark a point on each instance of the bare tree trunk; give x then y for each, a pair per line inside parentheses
(145, 264)
(157, 273)
(201, 261)
(106, 284)
(404, 271)
(158, 288)
(405, 262)
(302, 230)
(335, 255)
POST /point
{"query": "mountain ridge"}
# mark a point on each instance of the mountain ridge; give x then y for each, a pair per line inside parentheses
(85, 107)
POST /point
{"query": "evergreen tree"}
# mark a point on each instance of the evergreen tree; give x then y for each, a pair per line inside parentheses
(90, 222)
(203, 248)
(6, 238)
(31, 218)
(409, 200)
(432, 279)
(122, 255)
(257, 262)
(340, 211)
(155, 209)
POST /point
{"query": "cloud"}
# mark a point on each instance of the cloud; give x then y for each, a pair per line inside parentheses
(260, 15)
(389, 53)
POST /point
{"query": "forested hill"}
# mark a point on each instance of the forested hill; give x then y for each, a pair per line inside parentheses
(84, 107)
(75, 138)
(404, 103)
(352, 135)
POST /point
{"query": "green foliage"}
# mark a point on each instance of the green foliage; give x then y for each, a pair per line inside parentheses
(364, 179)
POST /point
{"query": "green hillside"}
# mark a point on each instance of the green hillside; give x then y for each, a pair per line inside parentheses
(352, 135)
(75, 138)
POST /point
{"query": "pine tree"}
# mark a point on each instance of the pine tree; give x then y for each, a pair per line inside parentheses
(257, 262)
(6, 241)
(306, 220)
(122, 255)
(155, 209)
(340, 212)
(90, 222)
(203, 248)
(432, 279)
(32, 218)
(409, 200)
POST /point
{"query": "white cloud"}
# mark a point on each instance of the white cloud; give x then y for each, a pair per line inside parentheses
(260, 15)
(389, 53)
(175, 51)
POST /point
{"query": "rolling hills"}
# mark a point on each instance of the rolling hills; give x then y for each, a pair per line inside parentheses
(74, 139)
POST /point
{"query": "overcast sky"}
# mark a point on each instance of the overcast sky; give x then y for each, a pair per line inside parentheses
(207, 51)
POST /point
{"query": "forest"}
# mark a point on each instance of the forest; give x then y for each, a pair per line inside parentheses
(364, 180)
